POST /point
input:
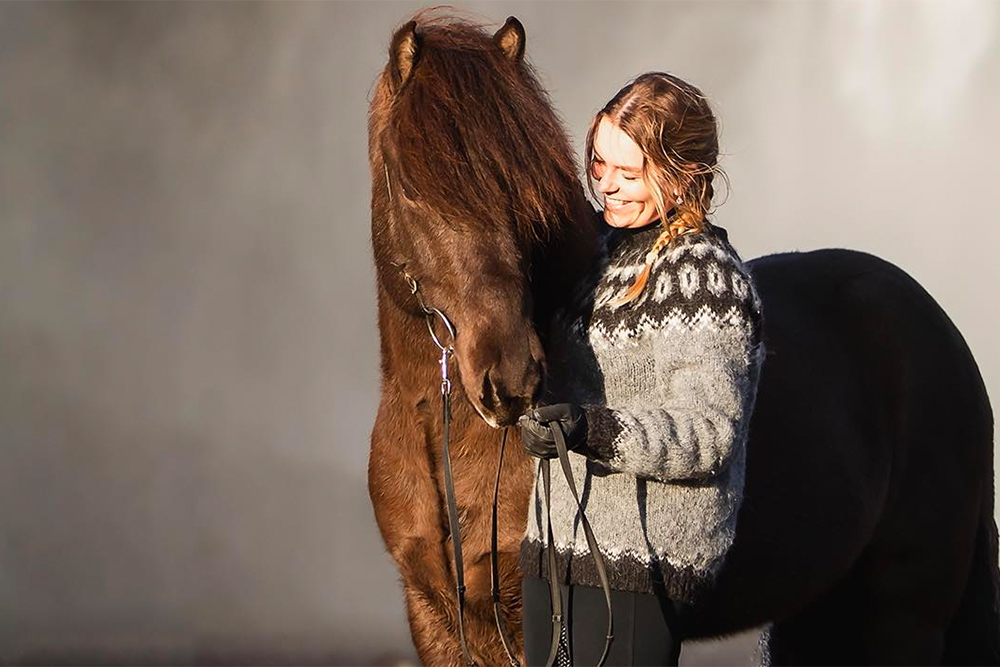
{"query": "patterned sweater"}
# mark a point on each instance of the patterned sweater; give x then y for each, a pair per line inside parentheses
(668, 384)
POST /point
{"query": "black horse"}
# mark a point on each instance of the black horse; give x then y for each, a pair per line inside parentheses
(867, 532)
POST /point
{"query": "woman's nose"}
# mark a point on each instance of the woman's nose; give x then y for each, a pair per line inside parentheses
(605, 185)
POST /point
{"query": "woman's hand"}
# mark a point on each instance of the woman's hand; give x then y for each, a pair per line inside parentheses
(536, 433)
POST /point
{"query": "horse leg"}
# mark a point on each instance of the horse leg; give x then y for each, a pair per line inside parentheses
(826, 632)
(408, 512)
(904, 610)
(432, 607)
(916, 568)
(973, 637)
(510, 601)
(892, 609)
(480, 616)
(431, 604)
(914, 574)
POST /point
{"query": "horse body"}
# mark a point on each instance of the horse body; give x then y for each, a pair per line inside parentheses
(866, 533)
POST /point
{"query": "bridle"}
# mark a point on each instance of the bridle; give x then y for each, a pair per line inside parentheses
(431, 315)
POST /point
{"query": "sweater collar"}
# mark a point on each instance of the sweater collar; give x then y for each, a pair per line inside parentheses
(642, 238)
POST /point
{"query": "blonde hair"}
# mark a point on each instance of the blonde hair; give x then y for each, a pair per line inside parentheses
(671, 122)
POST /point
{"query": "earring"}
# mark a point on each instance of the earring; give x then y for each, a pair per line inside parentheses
(680, 198)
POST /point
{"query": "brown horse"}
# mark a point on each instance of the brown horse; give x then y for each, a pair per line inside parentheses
(867, 531)
(475, 194)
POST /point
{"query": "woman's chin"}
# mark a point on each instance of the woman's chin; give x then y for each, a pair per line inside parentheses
(617, 219)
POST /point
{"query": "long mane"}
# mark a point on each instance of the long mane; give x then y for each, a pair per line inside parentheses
(472, 135)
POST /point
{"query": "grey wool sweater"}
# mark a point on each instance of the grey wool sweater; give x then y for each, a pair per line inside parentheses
(668, 384)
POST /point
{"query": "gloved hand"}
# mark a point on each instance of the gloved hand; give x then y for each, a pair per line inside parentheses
(536, 434)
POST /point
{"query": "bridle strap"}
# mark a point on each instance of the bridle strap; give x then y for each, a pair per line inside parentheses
(556, 597)
(453, 524)
(494, 562)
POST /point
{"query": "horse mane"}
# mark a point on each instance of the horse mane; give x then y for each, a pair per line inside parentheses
(472, 136)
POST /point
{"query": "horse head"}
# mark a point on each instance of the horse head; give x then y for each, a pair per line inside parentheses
(475, 194)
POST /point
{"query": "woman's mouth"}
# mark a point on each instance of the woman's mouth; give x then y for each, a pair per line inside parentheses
(614, 204)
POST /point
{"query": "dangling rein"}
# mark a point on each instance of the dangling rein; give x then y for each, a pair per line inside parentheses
(447, 351)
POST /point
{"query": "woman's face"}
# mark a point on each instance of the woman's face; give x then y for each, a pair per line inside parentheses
(617, 166)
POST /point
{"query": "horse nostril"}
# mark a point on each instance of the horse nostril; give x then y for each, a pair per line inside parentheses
(506, 405)
(490, 397)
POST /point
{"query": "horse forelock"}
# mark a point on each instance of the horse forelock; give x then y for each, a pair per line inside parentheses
(472, 135)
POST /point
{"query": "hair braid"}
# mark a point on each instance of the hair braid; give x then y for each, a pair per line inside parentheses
(677, 226)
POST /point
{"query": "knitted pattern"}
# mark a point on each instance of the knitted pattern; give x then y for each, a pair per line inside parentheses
(668, 384)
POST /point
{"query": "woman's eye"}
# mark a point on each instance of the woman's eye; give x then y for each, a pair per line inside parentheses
(630, 178)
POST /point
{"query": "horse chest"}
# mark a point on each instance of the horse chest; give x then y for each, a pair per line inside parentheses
(467, 444)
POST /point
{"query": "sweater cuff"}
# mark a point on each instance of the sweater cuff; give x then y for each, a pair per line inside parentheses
(602, 431)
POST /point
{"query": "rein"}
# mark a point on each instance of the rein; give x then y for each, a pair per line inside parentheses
(550, 550)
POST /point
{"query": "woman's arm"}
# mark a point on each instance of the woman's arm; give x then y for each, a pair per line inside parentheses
(706, 379)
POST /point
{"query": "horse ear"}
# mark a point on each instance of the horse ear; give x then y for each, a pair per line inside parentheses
(510, 38)
(404, 52)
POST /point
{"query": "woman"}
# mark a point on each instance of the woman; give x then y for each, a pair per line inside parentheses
(653, 372)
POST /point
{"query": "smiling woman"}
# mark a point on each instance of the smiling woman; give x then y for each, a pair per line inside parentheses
(654, 388)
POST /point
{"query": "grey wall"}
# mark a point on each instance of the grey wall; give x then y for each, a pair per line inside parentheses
(187, 321)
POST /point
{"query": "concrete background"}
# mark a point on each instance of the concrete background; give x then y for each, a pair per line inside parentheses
(188, 348)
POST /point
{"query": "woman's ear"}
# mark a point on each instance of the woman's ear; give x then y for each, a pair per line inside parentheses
(510, 39)
(404, 52)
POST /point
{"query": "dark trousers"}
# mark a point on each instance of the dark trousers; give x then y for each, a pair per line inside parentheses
(645, 625)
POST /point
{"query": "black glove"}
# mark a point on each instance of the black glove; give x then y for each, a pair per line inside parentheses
(536, 434)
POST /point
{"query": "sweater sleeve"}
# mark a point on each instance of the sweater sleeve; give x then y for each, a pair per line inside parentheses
(706, 383)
